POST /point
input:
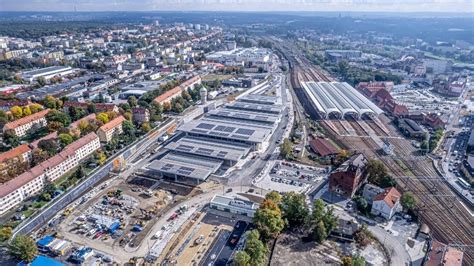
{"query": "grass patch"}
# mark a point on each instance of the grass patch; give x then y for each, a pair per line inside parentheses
(405, 169)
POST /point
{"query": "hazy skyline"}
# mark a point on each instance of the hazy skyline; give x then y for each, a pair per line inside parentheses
(240, 5)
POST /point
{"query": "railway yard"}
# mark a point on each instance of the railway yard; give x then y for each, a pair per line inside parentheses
(439, 207)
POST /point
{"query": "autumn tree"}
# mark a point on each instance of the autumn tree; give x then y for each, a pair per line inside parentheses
(146, 127)
(103, 117)
(17, 112)
(5, 233)
(26, 111)
(34, 108)
(268, 219)
(274, 196)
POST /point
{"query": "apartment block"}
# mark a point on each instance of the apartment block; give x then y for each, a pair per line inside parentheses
(22, 125)
(29, 183)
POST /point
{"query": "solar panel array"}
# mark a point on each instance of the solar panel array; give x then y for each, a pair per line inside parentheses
(245, 131)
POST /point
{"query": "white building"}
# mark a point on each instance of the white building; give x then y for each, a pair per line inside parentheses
(234, 205)
(23, 125)
(47, 73)
(29, 183)
(387, 203)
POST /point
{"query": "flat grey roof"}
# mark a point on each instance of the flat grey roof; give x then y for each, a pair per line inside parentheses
(237, 122)
(244, 115)
(209, 148)
(258, 98)
(186, 165)
(274, 109)
(226, 130)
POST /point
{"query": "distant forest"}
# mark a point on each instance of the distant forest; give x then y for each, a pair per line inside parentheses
(431, 29)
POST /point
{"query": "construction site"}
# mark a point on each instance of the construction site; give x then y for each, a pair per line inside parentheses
(377, 138)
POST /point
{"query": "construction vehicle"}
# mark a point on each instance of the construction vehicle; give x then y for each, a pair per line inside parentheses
(199, 240)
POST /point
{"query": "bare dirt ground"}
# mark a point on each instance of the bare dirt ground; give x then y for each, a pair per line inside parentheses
(290, 250)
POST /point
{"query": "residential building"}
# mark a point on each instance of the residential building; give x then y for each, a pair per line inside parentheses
(387, 203)
(29, 183)
(348, 177)
(109, 130)
(234, 205)
(140, 115)
(167, 96)
(21, 126)
(22, 151)
(370, 191)
(443, 255)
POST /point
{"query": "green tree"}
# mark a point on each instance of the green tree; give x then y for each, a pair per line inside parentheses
(58, 116)
(10, 138)
(408, 201)
(242, 259)
(128, 128)
(49, 145)
(358, 260)
(321, 218)
(79, 172)
(5, 233)
(294, 209)
(375, 170)
(65, 139)
(318, 233)
(23, 248)
(255, 248)
(45, 197)
(285, 149)
(132, 101)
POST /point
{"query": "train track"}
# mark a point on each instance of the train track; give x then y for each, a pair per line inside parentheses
(445, 216)
(374, 126)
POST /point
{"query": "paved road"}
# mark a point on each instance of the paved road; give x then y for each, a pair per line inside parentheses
(223, 248)
(253, 167)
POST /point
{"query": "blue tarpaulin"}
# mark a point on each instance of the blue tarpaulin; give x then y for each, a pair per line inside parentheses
(113, 227)
(42, 261)
(43, 242)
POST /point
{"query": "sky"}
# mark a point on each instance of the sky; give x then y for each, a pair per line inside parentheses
(240, 5)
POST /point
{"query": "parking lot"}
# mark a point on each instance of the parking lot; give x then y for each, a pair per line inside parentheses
(285, 176)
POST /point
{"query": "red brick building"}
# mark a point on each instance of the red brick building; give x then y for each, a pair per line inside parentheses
(349, 176)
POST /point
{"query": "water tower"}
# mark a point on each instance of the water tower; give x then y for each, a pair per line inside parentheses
(203, 93)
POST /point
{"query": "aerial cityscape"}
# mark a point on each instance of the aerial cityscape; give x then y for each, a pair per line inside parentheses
(202, 134)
